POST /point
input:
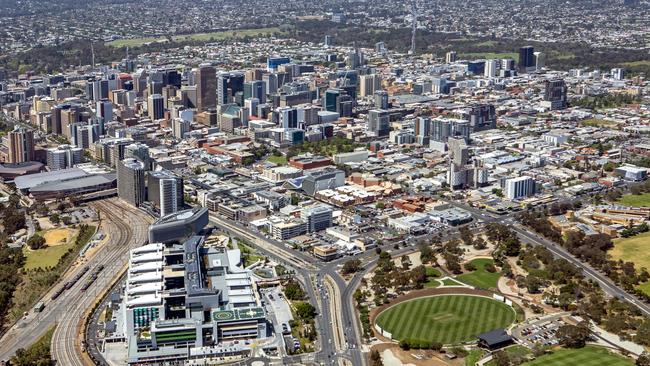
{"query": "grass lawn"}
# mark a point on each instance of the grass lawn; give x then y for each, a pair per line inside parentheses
(46, 257)
(635, 200)
(447, 319)
(280, 160)
(645, 287)
(432, 274)
(481, 278)
(595, 122)
(450, 282)
(248, 254)
(588, 356)
(473, 357)
(635, 249)
(637, 63)
(235, 33)
(489, 55)
(516, 351)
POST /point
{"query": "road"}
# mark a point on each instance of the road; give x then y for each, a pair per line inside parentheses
(608, 286)
(68, 309)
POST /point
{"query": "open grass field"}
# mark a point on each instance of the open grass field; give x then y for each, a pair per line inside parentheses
(489, 55)
(448, 319)
(588, 356)
(235, 33)
(595, 122)
(481, 278)
(46, 257)
(645, 287)
(635, 200)
(635, 249)
(280, 160)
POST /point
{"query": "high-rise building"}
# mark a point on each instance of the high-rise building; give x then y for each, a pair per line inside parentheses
(482, 117)
(180, 127)
(288, 117)
(255, 89)
(206, 88)
(491, 67)
(318, 218)
(355, 58)
(156, 107)
(458, 151)
(138, 151)
(328, 40)
(519, 187)
(369, 84)
(330, 99)
(381, 99)
(450, 57)
(63, 157)
(526, 59)
(228, 85)
(131, 181)
(379, 122)
(20, 145)
(555, 94)
(540, 60)
(272, 63)
(617, 73)
(422, 130)
(165, 192)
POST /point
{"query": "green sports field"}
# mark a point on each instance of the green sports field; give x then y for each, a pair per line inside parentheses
(588, 356)
(447, 319)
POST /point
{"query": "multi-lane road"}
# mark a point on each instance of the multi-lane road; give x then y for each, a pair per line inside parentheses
(126, 228)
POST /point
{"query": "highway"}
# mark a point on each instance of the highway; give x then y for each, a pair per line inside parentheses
(68, 309)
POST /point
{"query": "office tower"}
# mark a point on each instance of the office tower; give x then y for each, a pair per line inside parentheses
(443, 128)
(255, 89)
(156, 107)
(228, 85)
(555, 94)
(369, 84)
(20, 145)
(458, 151)
(519, 187)
(617, 74)
(439, 86)
(491, 67)
(318, 218)
(507, 64)
(482, 117)
(63, 157)
(130, 181)
(105, 113)
(138, 151)
(526, 59)
(355, 58)
(330, 99)
(272, 63)
(271, 81)
(381, 99)
(165, 191)
(288, 117)
(98, 89)
(540, 60)
(180, 127)
(328, 40)
(380, 48)
(379, 122)
(206, 88)
(423, 130)
(450, 57)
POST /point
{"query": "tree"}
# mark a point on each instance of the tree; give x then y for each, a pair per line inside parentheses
(305, 310)
(466, 235)
(293, 291)
(351, 266)
(426, 254)
(36, 242)
(380, 205)
(375, 358)
(643, 360)
(573, 336)
(469, 266)
(502, 358)
(479, 243)
(55, 219)
(406, 262)
(511, 246)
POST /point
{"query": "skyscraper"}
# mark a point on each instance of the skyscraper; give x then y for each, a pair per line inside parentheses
(63, 156)
(130, 181)
(482, 117)
(369, 84)
(21, 145)
(156, 107)
(491, 67)
(180, 127)
(229, 84)
(206, 88)
(288, 117)
(555, 94)
(526, 59)
(519, 187)
(379, 122)
(450, 57)
(381, 99)
(165, 191)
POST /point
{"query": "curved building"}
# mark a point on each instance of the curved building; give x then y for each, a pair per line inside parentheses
(178, 226)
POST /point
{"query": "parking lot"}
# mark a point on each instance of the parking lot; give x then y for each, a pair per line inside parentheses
(540, 332)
